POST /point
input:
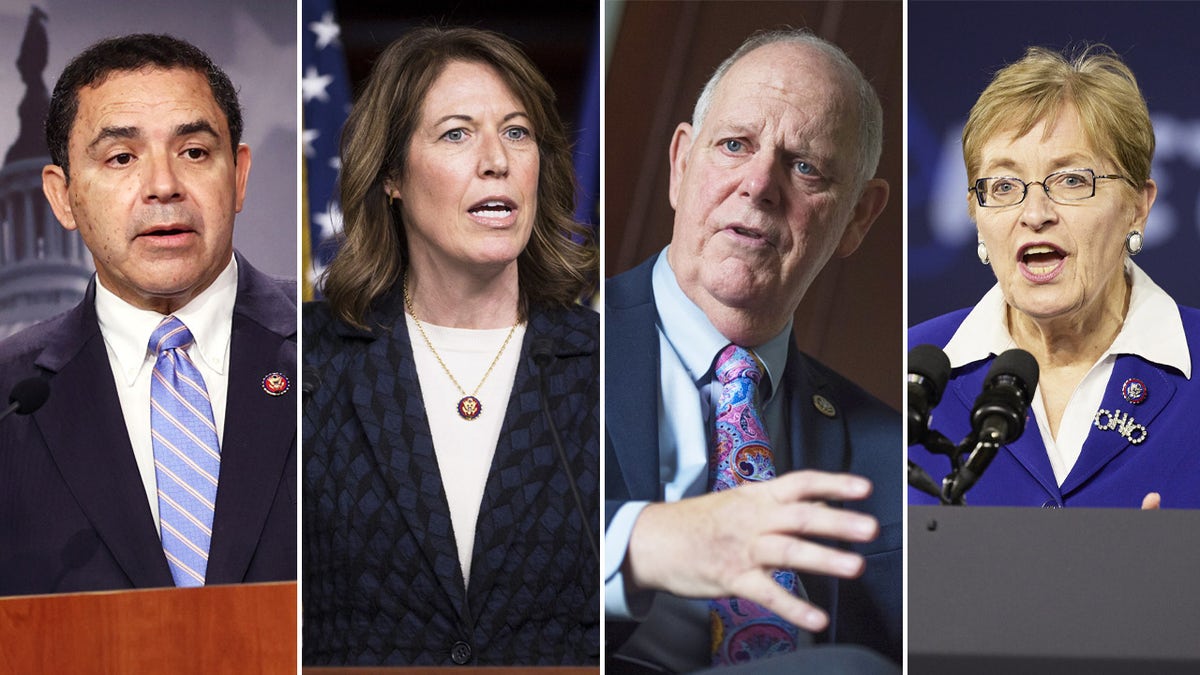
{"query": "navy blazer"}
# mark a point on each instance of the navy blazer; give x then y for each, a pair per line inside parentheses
(73, 509)
(382, 581)
(1111, 470)
(863, 438)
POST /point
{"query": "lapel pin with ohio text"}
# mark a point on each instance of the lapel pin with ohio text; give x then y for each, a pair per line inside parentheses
(1121, 423)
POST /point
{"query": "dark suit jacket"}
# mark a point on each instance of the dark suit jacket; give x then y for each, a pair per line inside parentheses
(382, 581)
(73, 511)
(863, 438)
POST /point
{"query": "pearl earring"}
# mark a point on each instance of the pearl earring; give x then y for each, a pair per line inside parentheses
(1133, 242)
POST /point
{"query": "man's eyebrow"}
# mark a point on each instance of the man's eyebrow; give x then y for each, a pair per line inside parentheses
(119, 133)
(127, 133)
(197, 127)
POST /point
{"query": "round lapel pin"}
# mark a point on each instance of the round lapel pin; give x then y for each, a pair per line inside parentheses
(824, 405)
(275, 384)
(1134, 390)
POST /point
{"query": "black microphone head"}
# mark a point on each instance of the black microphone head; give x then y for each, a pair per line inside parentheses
(312, 380)
(1021, 366)
(542, 351)
(29, 394)
(931, 363)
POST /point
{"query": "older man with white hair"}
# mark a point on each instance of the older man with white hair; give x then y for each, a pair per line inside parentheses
(730, 453)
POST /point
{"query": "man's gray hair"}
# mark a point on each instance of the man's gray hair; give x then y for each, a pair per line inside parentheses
(870, 112)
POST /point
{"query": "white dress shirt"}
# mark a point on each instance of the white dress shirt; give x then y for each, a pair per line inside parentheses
(126, 330)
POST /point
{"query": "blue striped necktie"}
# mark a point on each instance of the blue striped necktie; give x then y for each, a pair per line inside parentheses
(187, 456)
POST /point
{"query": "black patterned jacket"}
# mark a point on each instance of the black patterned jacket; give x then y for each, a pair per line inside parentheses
(381, 580)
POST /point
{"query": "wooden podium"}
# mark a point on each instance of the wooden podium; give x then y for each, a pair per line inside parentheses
(248, 628)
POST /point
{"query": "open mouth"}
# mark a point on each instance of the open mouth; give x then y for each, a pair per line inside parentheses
(747, 233)
(493, 208)
(750, 236)
(1042, 259)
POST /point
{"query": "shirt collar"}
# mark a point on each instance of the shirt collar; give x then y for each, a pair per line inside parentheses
(209, 317)
(1153, 328)
(695, 339)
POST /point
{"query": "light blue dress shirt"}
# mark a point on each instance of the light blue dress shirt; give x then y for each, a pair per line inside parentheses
(688, 396)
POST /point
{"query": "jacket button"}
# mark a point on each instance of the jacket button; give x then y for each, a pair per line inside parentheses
(1051, 504)
(460, 653)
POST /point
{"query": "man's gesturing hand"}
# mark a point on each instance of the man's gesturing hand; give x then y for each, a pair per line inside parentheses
(727, 544)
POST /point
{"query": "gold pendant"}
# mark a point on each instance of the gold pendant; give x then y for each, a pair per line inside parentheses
(469, 407)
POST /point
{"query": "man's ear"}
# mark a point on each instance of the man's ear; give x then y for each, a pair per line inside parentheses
(54, 186)
(241, 174)
(870, 204)
(681, 145)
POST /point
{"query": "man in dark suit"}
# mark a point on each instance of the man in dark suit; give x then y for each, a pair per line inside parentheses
(772, 178)
(144, 135)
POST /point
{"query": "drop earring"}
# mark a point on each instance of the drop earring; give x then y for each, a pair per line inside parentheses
(982, 252)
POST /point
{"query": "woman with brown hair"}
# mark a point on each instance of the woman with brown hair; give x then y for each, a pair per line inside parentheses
(443, 520)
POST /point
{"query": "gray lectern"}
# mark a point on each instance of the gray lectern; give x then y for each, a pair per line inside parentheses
(1023, 590)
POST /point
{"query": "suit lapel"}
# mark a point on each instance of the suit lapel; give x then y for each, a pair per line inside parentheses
(387, 400)
(631, 414)
(525, 457)
(515, 468)
(260, 433)
(818, 441)
(93, 453)
(1102, 445)
(1027, 450)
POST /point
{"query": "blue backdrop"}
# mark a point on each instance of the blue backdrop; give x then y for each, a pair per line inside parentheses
(953, 50)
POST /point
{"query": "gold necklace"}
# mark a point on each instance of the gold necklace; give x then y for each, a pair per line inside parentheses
(469, 406)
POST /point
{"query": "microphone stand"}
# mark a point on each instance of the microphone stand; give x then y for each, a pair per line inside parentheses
(956, 483)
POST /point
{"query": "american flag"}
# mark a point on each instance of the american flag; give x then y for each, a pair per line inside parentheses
(325, 87)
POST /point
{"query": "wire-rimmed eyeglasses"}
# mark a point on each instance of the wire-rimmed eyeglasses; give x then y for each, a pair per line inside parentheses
(1062, 187)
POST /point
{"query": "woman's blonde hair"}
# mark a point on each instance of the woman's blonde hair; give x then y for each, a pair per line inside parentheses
(1095, 81)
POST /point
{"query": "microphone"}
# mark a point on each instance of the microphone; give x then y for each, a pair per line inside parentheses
(999, 413)
(312, 382)
(920, 479)
(928, 372)
(542, 352)
(27, 396)
(998, 416)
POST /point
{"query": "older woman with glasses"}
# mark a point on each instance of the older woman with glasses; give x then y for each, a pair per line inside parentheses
(1058, 152)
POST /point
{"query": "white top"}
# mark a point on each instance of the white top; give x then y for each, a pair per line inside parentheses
(465, 448)
(126, 330)
(1152, 330)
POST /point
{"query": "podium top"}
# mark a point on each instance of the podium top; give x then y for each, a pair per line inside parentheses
(212, 629)
(1039, 590)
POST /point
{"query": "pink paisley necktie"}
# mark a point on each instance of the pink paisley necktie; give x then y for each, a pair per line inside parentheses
(742, 630)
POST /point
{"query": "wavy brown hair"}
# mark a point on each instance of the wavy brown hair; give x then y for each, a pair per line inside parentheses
(559, 264)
